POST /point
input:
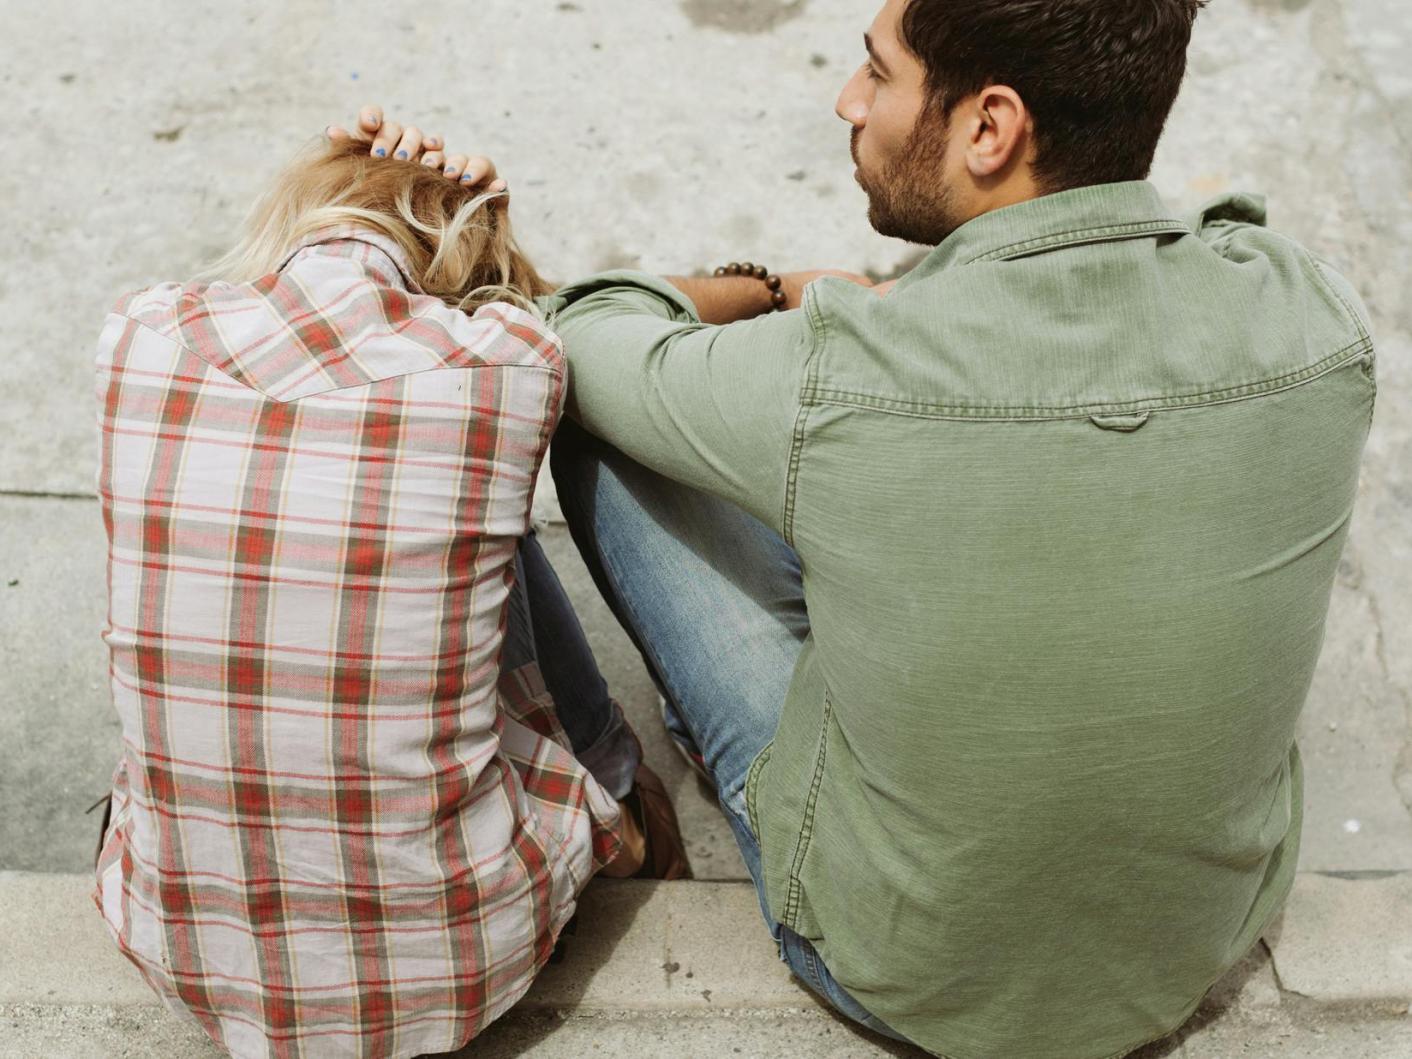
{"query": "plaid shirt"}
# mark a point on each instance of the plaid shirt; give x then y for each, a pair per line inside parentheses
(337, 829)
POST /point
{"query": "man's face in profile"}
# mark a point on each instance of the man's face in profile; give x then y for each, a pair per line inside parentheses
(899, 142)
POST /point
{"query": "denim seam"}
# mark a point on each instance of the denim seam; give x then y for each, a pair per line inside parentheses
(1079, 236)
(634, 620)
(1040, 413)
(806, 824)
(752, 785)
(801, 418)
(811, 961)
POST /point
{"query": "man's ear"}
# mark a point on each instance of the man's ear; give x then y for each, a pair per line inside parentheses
(998, 130)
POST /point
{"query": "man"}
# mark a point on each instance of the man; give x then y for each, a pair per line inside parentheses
(989, 606)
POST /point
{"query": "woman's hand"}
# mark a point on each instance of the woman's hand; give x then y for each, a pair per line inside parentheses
(388, 139)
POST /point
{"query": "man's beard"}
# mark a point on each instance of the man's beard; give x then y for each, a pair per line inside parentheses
(910, 199)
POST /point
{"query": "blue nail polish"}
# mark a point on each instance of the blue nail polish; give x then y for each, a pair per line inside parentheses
(401, 154)
(381, 152)
(451, 172)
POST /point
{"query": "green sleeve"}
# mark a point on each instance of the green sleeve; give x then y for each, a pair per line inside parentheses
(712, 407)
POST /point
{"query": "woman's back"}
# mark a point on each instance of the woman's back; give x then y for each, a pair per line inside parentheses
(334, 823)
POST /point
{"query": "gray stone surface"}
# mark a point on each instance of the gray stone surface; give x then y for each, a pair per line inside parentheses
(54, 948)
(149, 1033)
(1323, 951)
(1286, 1035)
(100, 1032)
(664, 135)
(598, 113)
(58, 731)
(691, 946)
(694, 946)
(686, 968)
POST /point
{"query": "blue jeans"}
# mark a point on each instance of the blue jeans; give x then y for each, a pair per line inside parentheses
(541, 626)
(714, 600)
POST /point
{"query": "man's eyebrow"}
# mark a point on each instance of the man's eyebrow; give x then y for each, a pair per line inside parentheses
(878, 64)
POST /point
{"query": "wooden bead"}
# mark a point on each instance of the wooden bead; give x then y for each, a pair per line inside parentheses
(773, 282)
(747, 269)
(732, 269)
(777, 299)
(761, 272)
(720, 271)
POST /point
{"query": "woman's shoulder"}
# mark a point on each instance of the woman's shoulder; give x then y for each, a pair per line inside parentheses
(151, 305)
(363, 268)
(502, 334)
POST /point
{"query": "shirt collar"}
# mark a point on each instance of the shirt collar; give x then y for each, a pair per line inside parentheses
(359, 234)
(1094, 214)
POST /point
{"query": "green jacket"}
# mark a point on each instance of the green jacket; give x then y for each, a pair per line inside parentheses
(1068, 503)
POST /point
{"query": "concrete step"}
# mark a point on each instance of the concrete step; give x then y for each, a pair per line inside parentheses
(687, 969)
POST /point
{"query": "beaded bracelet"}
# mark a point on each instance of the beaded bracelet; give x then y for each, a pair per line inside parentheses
(753, 271)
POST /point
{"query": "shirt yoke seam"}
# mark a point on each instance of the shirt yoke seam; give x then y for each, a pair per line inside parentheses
(557, 373)
(859, 398)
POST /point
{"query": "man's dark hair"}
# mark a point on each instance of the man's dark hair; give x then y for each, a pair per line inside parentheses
(1098, 76)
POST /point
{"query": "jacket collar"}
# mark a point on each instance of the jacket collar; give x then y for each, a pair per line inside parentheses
(1094, 214)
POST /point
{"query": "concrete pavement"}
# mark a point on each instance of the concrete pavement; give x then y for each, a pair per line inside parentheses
(667, 136)
(688, 969)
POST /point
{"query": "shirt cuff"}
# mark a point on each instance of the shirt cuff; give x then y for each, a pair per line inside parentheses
(639, 291)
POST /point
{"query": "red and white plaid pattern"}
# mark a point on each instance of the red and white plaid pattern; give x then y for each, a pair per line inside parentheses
(336, 829)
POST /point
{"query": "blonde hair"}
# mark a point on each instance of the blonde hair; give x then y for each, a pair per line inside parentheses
(458, 242)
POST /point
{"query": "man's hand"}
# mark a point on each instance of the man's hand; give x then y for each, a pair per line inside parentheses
(388, 139)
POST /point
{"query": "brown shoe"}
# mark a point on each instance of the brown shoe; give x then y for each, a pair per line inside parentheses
(665, 856)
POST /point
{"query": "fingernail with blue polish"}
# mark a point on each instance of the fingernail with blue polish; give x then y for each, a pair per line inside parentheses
(401, 154)
(451, 172)
(381, 152)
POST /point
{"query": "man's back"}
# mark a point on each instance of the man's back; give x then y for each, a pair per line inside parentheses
(1061, 641)
(1068, 504)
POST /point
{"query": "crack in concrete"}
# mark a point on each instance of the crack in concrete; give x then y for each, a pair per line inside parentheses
(42, 494)
(1402, 770)
(1275, 973)
(1346, 73)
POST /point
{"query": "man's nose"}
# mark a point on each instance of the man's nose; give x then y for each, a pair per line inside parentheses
(852, 105)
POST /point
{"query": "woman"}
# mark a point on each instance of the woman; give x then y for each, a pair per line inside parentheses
(346, 820)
